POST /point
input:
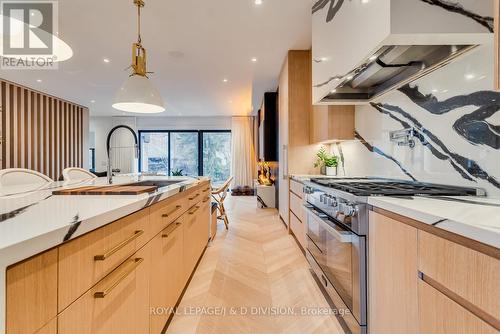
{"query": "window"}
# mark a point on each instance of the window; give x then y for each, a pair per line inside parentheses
(184, 153)
(92, 159)
(188, 152)
(217, 155)
(154, 152)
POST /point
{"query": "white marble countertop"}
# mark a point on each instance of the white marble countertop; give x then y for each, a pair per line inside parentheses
(34, 220)
(476, 218)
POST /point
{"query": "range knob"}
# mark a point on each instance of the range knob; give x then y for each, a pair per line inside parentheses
(349, 210)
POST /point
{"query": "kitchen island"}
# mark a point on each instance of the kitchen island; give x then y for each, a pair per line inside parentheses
(54, 238)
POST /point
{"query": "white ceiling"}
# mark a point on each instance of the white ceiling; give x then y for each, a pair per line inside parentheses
(192, 46)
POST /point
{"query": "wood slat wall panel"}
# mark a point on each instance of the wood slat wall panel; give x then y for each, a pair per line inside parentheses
(39, 131)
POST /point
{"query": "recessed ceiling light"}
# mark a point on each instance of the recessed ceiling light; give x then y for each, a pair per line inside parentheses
(254, 59)
(469, 76)
(434, 90)
(225, 80)
(92, 101)
(333, 91)
(258, 2)
(106, 60)
(365, 1)
(38, 80)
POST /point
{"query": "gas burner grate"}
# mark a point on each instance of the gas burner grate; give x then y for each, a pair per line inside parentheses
(394, 188)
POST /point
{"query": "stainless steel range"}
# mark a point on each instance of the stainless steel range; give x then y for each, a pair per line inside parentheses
(337, 235)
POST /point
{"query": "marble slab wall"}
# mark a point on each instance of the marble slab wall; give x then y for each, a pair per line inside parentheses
(454, 111)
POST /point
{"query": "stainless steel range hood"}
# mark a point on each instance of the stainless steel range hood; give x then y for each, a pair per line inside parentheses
(392, 67)
(363, 49)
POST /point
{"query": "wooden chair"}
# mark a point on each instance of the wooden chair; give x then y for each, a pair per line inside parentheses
(219, 195)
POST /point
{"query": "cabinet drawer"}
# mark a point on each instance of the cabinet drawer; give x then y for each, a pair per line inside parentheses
(198, 193)
(167, 276)
(297, 188)
(86, 260)
(440, 315)
(471, 275)
(296, 207)
(165, 212)
(298, 230)
(195, 235)
(30, 285)
(117, 304)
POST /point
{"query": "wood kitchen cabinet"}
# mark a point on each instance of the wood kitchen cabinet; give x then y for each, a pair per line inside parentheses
(330, 123)
(88, 259)
(31, 284)
(297, 155)
(425, 280)
(167, 276)
(117, 304)
(441, 315)
(195, 235)
(392, 276)
(109, 280)
(297, 216)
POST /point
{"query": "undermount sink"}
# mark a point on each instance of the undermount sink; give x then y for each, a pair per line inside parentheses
(156, 183)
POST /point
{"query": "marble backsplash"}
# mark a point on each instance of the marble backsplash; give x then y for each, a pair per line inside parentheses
(454, 112)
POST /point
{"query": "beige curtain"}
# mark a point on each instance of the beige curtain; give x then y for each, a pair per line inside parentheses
(243, 164)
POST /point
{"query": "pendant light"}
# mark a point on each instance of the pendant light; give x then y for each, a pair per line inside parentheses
(137, 94)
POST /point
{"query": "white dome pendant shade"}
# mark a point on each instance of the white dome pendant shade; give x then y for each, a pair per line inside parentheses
(138, 95)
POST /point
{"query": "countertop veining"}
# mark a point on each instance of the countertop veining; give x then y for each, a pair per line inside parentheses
(32, 221)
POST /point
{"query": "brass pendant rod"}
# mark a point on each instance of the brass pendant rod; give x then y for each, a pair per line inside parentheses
(139, 24)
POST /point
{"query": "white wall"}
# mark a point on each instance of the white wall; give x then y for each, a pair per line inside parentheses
(100, 127)
(184, 123)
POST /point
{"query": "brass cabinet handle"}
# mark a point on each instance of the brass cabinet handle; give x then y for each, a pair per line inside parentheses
(114, 284)
(206, 199)
(205, 190)
(191, 198)
(122, 244)
(194, 210)
(177, 207)
(175, 227)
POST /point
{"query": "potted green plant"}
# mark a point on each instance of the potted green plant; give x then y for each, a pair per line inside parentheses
(329, 161)
(177, 172)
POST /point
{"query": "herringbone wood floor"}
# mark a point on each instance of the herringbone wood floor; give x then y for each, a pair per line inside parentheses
(254, 264)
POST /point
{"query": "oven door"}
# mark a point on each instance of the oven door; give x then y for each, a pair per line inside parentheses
(332, 246)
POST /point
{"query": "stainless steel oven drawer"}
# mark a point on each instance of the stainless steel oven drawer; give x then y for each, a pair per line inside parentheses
(344, 313)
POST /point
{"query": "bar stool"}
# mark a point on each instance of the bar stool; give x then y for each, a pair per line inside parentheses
(76, 173)
(219, 195)
(21, 176)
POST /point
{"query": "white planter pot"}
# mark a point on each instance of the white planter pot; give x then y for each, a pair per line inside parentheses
(331, 171)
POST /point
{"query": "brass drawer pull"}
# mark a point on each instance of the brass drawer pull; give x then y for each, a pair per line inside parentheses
(205, 190)
(175, 227)
(177, 207)
(194, 210)
(206, 199)
(191, 198)
(106, 291)
(119, 246)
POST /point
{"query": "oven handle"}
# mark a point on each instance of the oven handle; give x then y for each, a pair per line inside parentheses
(342, 236)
